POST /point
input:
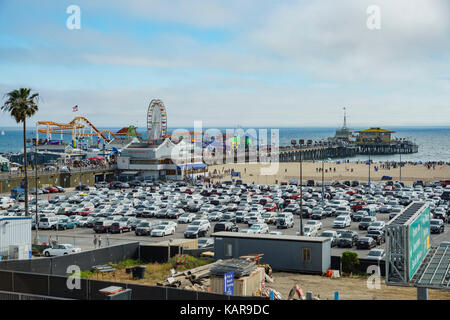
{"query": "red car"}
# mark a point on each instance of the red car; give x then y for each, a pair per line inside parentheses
(189, 191)
(295, 196)
(118, 227)
(85, 212)
(359, 205)
(52, 189)
(270, 207)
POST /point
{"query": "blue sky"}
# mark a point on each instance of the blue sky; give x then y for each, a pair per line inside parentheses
(253, 63)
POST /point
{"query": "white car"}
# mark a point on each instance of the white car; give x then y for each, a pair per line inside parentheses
(204, 225)
(314, 224)
(186, 218)
(61, 250)
(276, 233)
(308, 231)
(342, 222)
(250, 231)
(162, 230)
(376, 225)
(260, 228)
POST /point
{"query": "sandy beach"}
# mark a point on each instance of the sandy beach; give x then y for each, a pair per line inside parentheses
(252, 173)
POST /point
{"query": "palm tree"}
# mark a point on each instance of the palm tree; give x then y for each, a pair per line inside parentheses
(22, 104)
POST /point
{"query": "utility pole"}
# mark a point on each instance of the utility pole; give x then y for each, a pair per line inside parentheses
(36, 239)
(369, 169)
(323, 179)
(400, 167)
(301, 194)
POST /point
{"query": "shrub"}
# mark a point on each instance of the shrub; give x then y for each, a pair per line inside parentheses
(349, 261)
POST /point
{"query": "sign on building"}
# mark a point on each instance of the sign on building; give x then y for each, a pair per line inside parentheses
(228, 279)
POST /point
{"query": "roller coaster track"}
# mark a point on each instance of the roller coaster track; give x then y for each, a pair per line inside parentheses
(76, 123)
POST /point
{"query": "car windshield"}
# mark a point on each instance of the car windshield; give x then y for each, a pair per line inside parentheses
(327, 234)
(192, 229)
(160, 227)
(340, 219)
(375, 253)
(434, 222)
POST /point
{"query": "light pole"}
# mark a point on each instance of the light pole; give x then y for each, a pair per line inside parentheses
(369, 169)
(36, 239)
(323, 179)
(301, 194)
(400, 167)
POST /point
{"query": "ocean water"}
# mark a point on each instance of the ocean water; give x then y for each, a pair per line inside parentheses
(434, 142)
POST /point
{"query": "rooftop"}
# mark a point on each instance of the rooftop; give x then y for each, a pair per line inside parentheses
(269, 237)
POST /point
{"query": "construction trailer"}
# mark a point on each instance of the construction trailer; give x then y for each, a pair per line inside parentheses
(15, 237)
(281, 252)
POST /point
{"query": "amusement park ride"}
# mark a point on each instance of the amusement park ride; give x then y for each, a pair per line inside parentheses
(79, 128)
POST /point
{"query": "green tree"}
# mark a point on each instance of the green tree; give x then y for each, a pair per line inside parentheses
(349, 261)
(22, 104)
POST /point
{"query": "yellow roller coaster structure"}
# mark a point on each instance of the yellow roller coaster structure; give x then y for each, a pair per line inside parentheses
(79, 127)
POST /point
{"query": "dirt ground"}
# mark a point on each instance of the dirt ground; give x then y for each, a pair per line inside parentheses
(354, 288)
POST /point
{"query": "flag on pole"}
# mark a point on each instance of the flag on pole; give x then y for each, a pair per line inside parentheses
(75, 109)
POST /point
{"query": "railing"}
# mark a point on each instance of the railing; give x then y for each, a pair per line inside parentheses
(42, 171)
(7, 295)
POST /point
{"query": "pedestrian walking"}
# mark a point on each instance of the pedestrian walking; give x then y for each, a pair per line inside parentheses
(107, 240)
(50, 241)
(95, 241)
(99, 241)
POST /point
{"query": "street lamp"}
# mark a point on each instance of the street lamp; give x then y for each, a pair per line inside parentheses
(400, 167)
(301, 194)
(36, 240)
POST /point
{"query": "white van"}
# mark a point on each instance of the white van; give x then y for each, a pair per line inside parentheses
(48, 222)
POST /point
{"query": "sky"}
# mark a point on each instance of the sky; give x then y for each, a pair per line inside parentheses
(253, 63)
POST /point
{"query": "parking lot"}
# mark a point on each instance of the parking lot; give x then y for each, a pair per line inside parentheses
(126, 202)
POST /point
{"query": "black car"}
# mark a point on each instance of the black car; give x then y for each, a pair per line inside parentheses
(365, 243)
(194, 232)
(436, 226)
(347, 239)
(82, 187)
(377, 235)
(226, 226)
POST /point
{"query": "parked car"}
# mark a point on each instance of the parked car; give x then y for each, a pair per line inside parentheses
(162, 230)
(186, 217)
(61, 250)
(205, 242)
(194, 231)
(377, 235)
(332, 235)
(119, 227)
(376, 254)
(365, 222)
(226, 226)
(342, 222)
(145, 228)
(47, 223)
(376, 225)
(260, 228)
(365, 243)
(437, 226)
(65, 223)
(347, 239)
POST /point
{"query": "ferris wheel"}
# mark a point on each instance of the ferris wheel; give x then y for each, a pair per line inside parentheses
(156, 120)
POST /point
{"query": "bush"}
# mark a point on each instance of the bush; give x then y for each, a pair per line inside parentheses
(349, 261)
